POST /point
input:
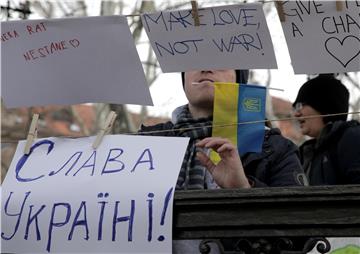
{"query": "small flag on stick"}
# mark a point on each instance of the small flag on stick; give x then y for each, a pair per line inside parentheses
(235, 104)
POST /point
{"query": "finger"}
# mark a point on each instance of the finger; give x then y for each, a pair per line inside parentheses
(214, 142)
(228, 147)
(202, 142)
(205, 161)
(208, 140)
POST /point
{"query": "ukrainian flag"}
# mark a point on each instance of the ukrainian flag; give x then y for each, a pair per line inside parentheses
(235, 104)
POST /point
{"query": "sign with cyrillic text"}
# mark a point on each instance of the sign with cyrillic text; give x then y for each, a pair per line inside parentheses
(322, 39)
(71, 61)
(228, 37)
(66, 197)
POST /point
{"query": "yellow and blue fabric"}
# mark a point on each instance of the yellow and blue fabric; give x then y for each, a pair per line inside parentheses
(235, 104)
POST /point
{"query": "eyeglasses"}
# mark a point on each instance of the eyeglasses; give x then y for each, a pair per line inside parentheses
(299, 106)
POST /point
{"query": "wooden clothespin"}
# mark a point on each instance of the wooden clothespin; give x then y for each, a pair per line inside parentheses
(280, 9)
(105, 129)
(339, 5)
(195, 13)
(32, 134)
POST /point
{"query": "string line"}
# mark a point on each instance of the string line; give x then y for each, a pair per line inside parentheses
(208, 126)
(263, 2)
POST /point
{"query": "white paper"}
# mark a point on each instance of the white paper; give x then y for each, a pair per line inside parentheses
(320, 38)
(133, 173)
(229, 37)
(71, 61)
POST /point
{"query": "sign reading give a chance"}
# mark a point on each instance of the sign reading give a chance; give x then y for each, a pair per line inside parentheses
(320, 38)
(234, 36)
(66, 197)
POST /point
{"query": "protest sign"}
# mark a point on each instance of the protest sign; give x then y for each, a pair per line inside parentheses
(228, 37)
(322, 39)
(67, 197)
(71, 61)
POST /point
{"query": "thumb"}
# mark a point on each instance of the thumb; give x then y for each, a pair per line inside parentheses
(206, 162)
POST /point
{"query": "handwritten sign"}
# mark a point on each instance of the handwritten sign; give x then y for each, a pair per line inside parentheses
(70, 61)
(320, 38)
(67, 197)
(229, 37)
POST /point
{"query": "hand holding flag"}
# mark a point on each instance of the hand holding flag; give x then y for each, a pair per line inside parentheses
(228, 172)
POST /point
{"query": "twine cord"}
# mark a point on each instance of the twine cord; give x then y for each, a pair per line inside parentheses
(217, 126)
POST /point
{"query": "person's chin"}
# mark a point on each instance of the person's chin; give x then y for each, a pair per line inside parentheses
(304, 131)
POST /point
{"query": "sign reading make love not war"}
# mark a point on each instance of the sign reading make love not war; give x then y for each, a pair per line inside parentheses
(233, 36)
(322, 39)
(71, 61)
(66, 197)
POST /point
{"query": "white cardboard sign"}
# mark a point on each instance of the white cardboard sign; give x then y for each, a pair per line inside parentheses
(229, 37)
(71, 61)
(67, 197)
(322, 39)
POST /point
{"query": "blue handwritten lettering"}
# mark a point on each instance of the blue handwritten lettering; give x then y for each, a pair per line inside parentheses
(101, 216)
(150, 216)
(300, 8)
(18, 215)
(163, 213)
(170, 50)
(61, 214)
(108, 159)
(71, 167)
(129, 218)
(57, 224)
(226, 17)
(176, 47)
(77, 222)
(85, 165)
(25, 157)
(340, 25)
(149, 160)
(247, 18)
(222, 45)
(295, 29)
(179, 19)
(247, 41)
(156, 20)
(165, 206)
(30, 220)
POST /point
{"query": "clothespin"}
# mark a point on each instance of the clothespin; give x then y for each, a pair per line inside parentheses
(339, 5)
(195, 13)
(280, 9)
(32, 133)
(105, 129)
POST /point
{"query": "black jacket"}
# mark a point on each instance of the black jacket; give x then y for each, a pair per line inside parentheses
(277, 165)
(333, 158)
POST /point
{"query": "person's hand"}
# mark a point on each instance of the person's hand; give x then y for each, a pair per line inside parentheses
(229, 172)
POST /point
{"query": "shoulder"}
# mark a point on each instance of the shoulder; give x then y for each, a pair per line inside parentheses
(350, 133)
(279, 148)
(307, 145)
(352, 127)
(340, 130)
(161, 129)
(283, 165)
(275, 140)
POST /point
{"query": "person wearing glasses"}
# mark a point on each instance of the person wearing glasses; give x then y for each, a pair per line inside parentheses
(332, 156)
